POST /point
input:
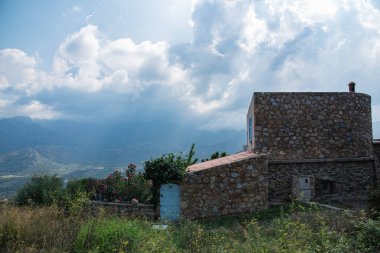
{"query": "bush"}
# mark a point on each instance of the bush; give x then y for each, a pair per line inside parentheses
(40, 190)
(137, 187)
(374, 203)
(367, 235)
(76, 186)
(122, 188)
(166, 169)
(169, 168)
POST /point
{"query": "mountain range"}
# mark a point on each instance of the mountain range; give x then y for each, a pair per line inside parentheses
(82, 149)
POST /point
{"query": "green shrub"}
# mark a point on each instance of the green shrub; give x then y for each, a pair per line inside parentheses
(367, 234)
(75, 186)
(137, 187)
(40, 190)
(168, 168)
(116, 186)
(374, 203)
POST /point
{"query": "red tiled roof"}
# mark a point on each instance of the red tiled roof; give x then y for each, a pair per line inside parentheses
(221, 161)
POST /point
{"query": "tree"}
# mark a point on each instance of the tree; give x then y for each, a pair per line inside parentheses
(190, 160)
(40, 190)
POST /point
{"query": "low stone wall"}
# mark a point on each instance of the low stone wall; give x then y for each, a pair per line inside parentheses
(228, 188)
(121, 209)
(350, 177)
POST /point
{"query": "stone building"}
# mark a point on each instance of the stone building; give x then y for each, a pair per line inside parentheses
(311, 145)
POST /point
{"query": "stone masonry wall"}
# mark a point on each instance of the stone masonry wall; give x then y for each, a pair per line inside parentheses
(299, 126)
(232, 188)
(349, 177)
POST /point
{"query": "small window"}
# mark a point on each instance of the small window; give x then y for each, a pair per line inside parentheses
(250, 130)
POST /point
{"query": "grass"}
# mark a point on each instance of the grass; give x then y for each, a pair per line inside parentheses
(26, 229)
(291, 228)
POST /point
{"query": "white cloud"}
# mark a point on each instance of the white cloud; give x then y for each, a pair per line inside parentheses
(76, 8)
(226, 119)
(238, 47)
(255, 31)
(34, 109)
(18, 71)
(88, 62)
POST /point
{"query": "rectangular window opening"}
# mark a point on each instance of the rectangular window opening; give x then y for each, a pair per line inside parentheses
(250, 130)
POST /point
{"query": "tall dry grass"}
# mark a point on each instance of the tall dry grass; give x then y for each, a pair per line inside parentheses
(294, 229)
(36, 229)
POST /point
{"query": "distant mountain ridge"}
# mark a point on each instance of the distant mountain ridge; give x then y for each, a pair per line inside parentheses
(88, 142)
(75, 149)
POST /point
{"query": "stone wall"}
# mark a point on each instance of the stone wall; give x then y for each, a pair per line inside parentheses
(121, 209)
(225, 188)
(297, 126)
(349, 176)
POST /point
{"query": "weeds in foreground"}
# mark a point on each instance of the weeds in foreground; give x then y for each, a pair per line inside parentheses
(294, 228)
(121, 235)
(26, 229)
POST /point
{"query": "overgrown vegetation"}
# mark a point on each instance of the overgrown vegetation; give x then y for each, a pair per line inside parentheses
(40, 190)
(169, 168)
(293, 228)
(50, 218)
(374, 203)
(46, 190)
(122, 188)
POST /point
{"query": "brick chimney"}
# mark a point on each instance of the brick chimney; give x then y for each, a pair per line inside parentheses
(351, 87)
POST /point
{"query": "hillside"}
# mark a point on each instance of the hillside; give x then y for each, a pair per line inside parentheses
(17, 166)
(77, 149)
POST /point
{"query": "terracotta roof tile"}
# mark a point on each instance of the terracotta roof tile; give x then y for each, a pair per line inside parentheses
(221, 161)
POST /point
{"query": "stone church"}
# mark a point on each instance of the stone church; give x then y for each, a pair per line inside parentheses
(309, 145)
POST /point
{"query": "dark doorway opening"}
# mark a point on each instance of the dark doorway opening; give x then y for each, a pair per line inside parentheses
(328, 186)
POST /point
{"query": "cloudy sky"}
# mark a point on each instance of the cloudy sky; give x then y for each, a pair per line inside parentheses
(193, 61)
